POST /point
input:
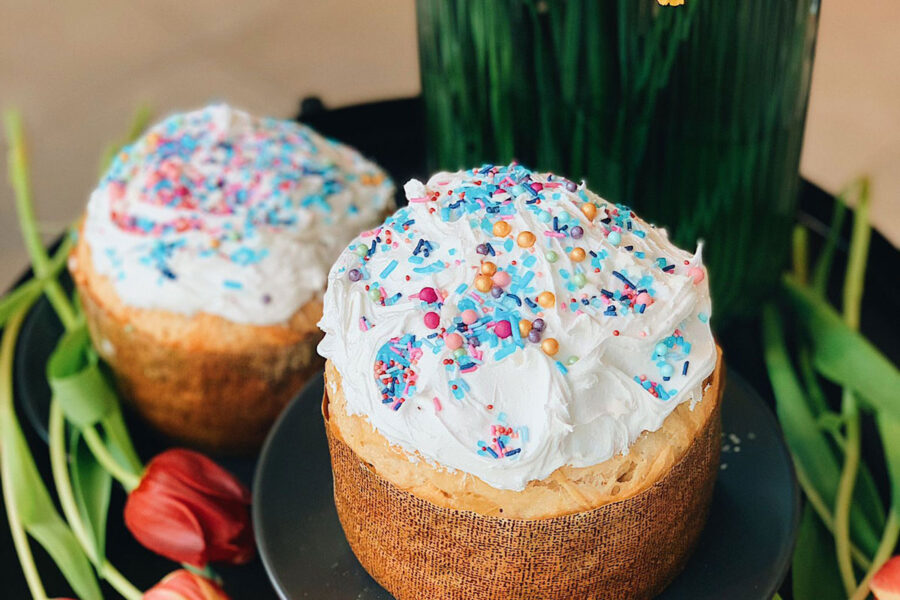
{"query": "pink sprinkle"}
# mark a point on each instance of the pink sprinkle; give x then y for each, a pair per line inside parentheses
(501, 278)
(370, 233)
(417, 199)
(453, 341)
(503, 329)
(469, 369)
(432, 320)
(437, 404)
(644, 298)
(362, 324)
(469, 316)
(554, 234)
(427, 294)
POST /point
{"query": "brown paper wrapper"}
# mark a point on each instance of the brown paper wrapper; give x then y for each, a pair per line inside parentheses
(221, 402)
(632, 548)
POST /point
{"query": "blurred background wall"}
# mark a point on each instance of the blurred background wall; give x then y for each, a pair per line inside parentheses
(78, 70)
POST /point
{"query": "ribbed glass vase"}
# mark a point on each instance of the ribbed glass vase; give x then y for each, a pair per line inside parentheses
(693, 114)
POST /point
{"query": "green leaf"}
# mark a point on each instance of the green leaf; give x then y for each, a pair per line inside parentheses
(38, 513)
(843, 355)
(889, 428)
(809, 446)
(815, 572)
(19, 297)
(119, 441)
(77, 382)
(91, 485)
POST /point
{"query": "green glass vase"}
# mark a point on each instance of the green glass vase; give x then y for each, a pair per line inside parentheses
(693, 114)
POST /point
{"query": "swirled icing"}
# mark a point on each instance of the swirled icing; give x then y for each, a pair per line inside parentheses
(222, 212)
(435, 356)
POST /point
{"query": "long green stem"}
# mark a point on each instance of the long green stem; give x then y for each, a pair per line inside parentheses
(31, 290)
(60, 468)
(885, 549)
(59, 465)
(844, 497)
(128, 479)
(821, 509)
(20, 538)
(853, 292)
(856, 261)
(119, 582)
(18, 176)
(138, 123)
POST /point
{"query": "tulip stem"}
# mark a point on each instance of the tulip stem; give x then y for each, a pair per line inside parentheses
(16, 528)
(59, 465)
(853, 291)
(119, 582)
(128, 479)
(21, 184)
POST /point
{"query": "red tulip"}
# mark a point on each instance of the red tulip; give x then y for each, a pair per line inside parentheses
(184, 585)
(886, 582)
(189, 509)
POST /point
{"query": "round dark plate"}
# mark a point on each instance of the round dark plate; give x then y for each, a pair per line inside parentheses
(743, 553)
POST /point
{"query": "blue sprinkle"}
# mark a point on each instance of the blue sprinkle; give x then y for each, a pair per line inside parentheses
(624, 279)
(388, 269)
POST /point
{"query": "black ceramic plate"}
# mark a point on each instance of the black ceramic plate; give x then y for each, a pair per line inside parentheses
(744, 551)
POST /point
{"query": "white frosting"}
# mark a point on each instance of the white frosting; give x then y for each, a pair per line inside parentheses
(225, 213)
(533, 411)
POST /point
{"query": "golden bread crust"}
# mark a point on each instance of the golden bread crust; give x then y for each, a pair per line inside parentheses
(627, 548)
(201, 380)
(567, 490)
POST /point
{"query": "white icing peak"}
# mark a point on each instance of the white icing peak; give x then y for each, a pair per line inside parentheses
(221, 212)
(432, 321)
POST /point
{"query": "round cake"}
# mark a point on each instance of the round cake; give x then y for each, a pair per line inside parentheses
(201, 264)
(521, 394)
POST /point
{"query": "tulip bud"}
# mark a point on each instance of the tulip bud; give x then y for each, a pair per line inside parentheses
(886, 582)
(184, 585)
(189, 509)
